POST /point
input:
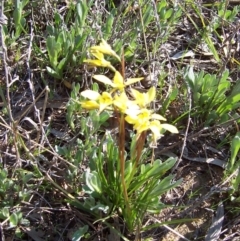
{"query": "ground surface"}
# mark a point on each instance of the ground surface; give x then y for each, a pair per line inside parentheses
(203, 188)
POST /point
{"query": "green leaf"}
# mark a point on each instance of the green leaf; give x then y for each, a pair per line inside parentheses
(26, 177)
(148, 171)
(80, 233)
(95, 87)
(199, 81)
(17, 13)
(53, 49)
(53, 73)
(168, 14)
(190, 77)
(222, 89)
(22, 22)
(235, 146)
(147, 16)
(162, 13)
(50, 30)
(25, 222)
(75, 91)
(61, 38)
(128, 172)
(13, 220)
(93, 181)
(100, 207)
(104, 116)
(165, 185)
(5, 212)
(18, 233)
(212, 116)
(224, 76)
(231, 103)
(61, 66)
(3, 175)
(57, 19)
(24, 3)
(82, 10)
(79, 39)
(108, 26)
(160, 5)
(210, 44)
(236, 89)
(171, 97)
(166, 165)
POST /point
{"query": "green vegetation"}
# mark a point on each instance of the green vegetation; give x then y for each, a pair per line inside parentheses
(86, 89)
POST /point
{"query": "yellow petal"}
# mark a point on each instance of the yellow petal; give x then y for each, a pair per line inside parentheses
(90, 94)
(131, 119)
(118, 81)
(133, 110)
(105, 98)
(132, 81)
(136, 94)
(146, 112)
(106, 95)
(104, 79)
(145, 115)
(89, 104)
(104, 101)
(97, 62)
(170, 128)
(120, 101)
(156, 124)
(151, 94)
(158, 117)
(140, 127)
(156, 132)
(102, 107)
(97, 54)
(105, 48)
(139, 97)
(155, 127)
(144, 99)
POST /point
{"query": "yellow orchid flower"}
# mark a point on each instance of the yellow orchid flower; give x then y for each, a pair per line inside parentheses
(137, 117)
(105, 48)
(144, 99)
(156, 127)
(144, 119)
(105, 100)
(118, 81)
(141, 116)
(100, 61)
(96, 101)
(123, 103)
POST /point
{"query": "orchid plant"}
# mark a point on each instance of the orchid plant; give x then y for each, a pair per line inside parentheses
(137, 184)
(135, 110)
